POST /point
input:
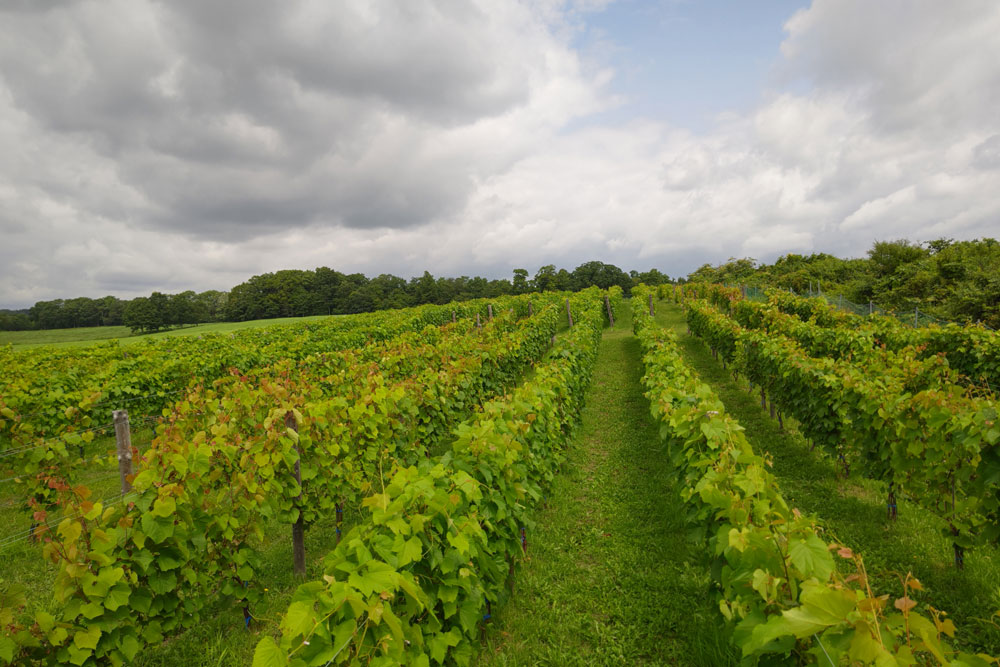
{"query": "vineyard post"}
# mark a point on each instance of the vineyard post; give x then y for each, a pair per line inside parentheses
(453, 317)
(871, 308)
(298, 528)
(607, 304)
(478, 323)
(569, 313)
(650, 304)
(531, 310)
(489, 311)
(123, 442)
(675, 292)
(916, 315)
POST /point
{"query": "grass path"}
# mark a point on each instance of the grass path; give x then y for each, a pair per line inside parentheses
(611, 579)
(854, 509)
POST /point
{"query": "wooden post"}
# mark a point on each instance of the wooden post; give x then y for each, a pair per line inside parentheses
(298, 528)
(871, 308)
(569, 313)
(607, 304)
(123, 442)
(675, 292)
(478, 323)
(489, 311)
(453, 317)
(916, 315)
(531, 310)
(650, 304)
(763, 399)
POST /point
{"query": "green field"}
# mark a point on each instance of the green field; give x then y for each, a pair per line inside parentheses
(83, 336)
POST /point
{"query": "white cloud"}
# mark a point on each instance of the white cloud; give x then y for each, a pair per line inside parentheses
(190, 145)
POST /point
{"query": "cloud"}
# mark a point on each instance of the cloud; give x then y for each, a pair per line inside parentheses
(190, 145)
(235, 119)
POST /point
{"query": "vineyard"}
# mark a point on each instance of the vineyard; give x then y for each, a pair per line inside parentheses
(153, 490)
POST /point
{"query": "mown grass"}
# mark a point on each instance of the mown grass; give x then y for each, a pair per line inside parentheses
(854, 510)
(83, 336)
(611, 577)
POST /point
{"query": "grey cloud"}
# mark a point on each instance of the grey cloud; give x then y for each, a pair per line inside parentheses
(987, 154)
(232, 119)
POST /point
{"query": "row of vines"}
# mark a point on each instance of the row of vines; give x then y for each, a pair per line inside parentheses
(898, 416)
(785, 591)
(290, 443)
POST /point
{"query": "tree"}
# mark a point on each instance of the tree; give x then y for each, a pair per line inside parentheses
(545, 278)
(520, 282)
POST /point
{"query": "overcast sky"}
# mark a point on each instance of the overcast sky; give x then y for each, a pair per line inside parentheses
(191, 144)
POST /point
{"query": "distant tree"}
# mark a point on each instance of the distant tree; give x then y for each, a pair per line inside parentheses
(887, 256)
(545, 278)
(144, 314)
(520, 283)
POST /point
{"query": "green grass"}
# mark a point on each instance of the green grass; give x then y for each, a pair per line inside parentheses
(854, 511)
(83, 336)
(611, 577)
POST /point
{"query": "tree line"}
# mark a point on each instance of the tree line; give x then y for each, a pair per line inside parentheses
(297, 293)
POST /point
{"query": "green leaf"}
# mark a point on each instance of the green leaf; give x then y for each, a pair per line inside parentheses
(69, 530)
(299, 619)
(811, 557)
(268, 654)
(7, 648)
(87, 638)
(45, 620)
(156, 528)
(141, 600)
(164, 507)
(117, 596)
(129, 647)
(413, 548)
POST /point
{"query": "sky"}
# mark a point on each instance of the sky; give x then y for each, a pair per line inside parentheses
(152, 145)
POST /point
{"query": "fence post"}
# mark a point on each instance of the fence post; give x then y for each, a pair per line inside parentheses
(650, 304)
(531, 311)
(871, 308)
(123, 442)
(569, 313)
(478, 323)
(607, 304)
(453, 317)
(916, 314)
(489, 311)
(298, 528)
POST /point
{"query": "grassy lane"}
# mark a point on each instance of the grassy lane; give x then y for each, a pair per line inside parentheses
(611, 578)
(854, 510)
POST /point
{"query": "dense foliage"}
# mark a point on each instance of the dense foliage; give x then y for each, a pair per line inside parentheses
(951, 280)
